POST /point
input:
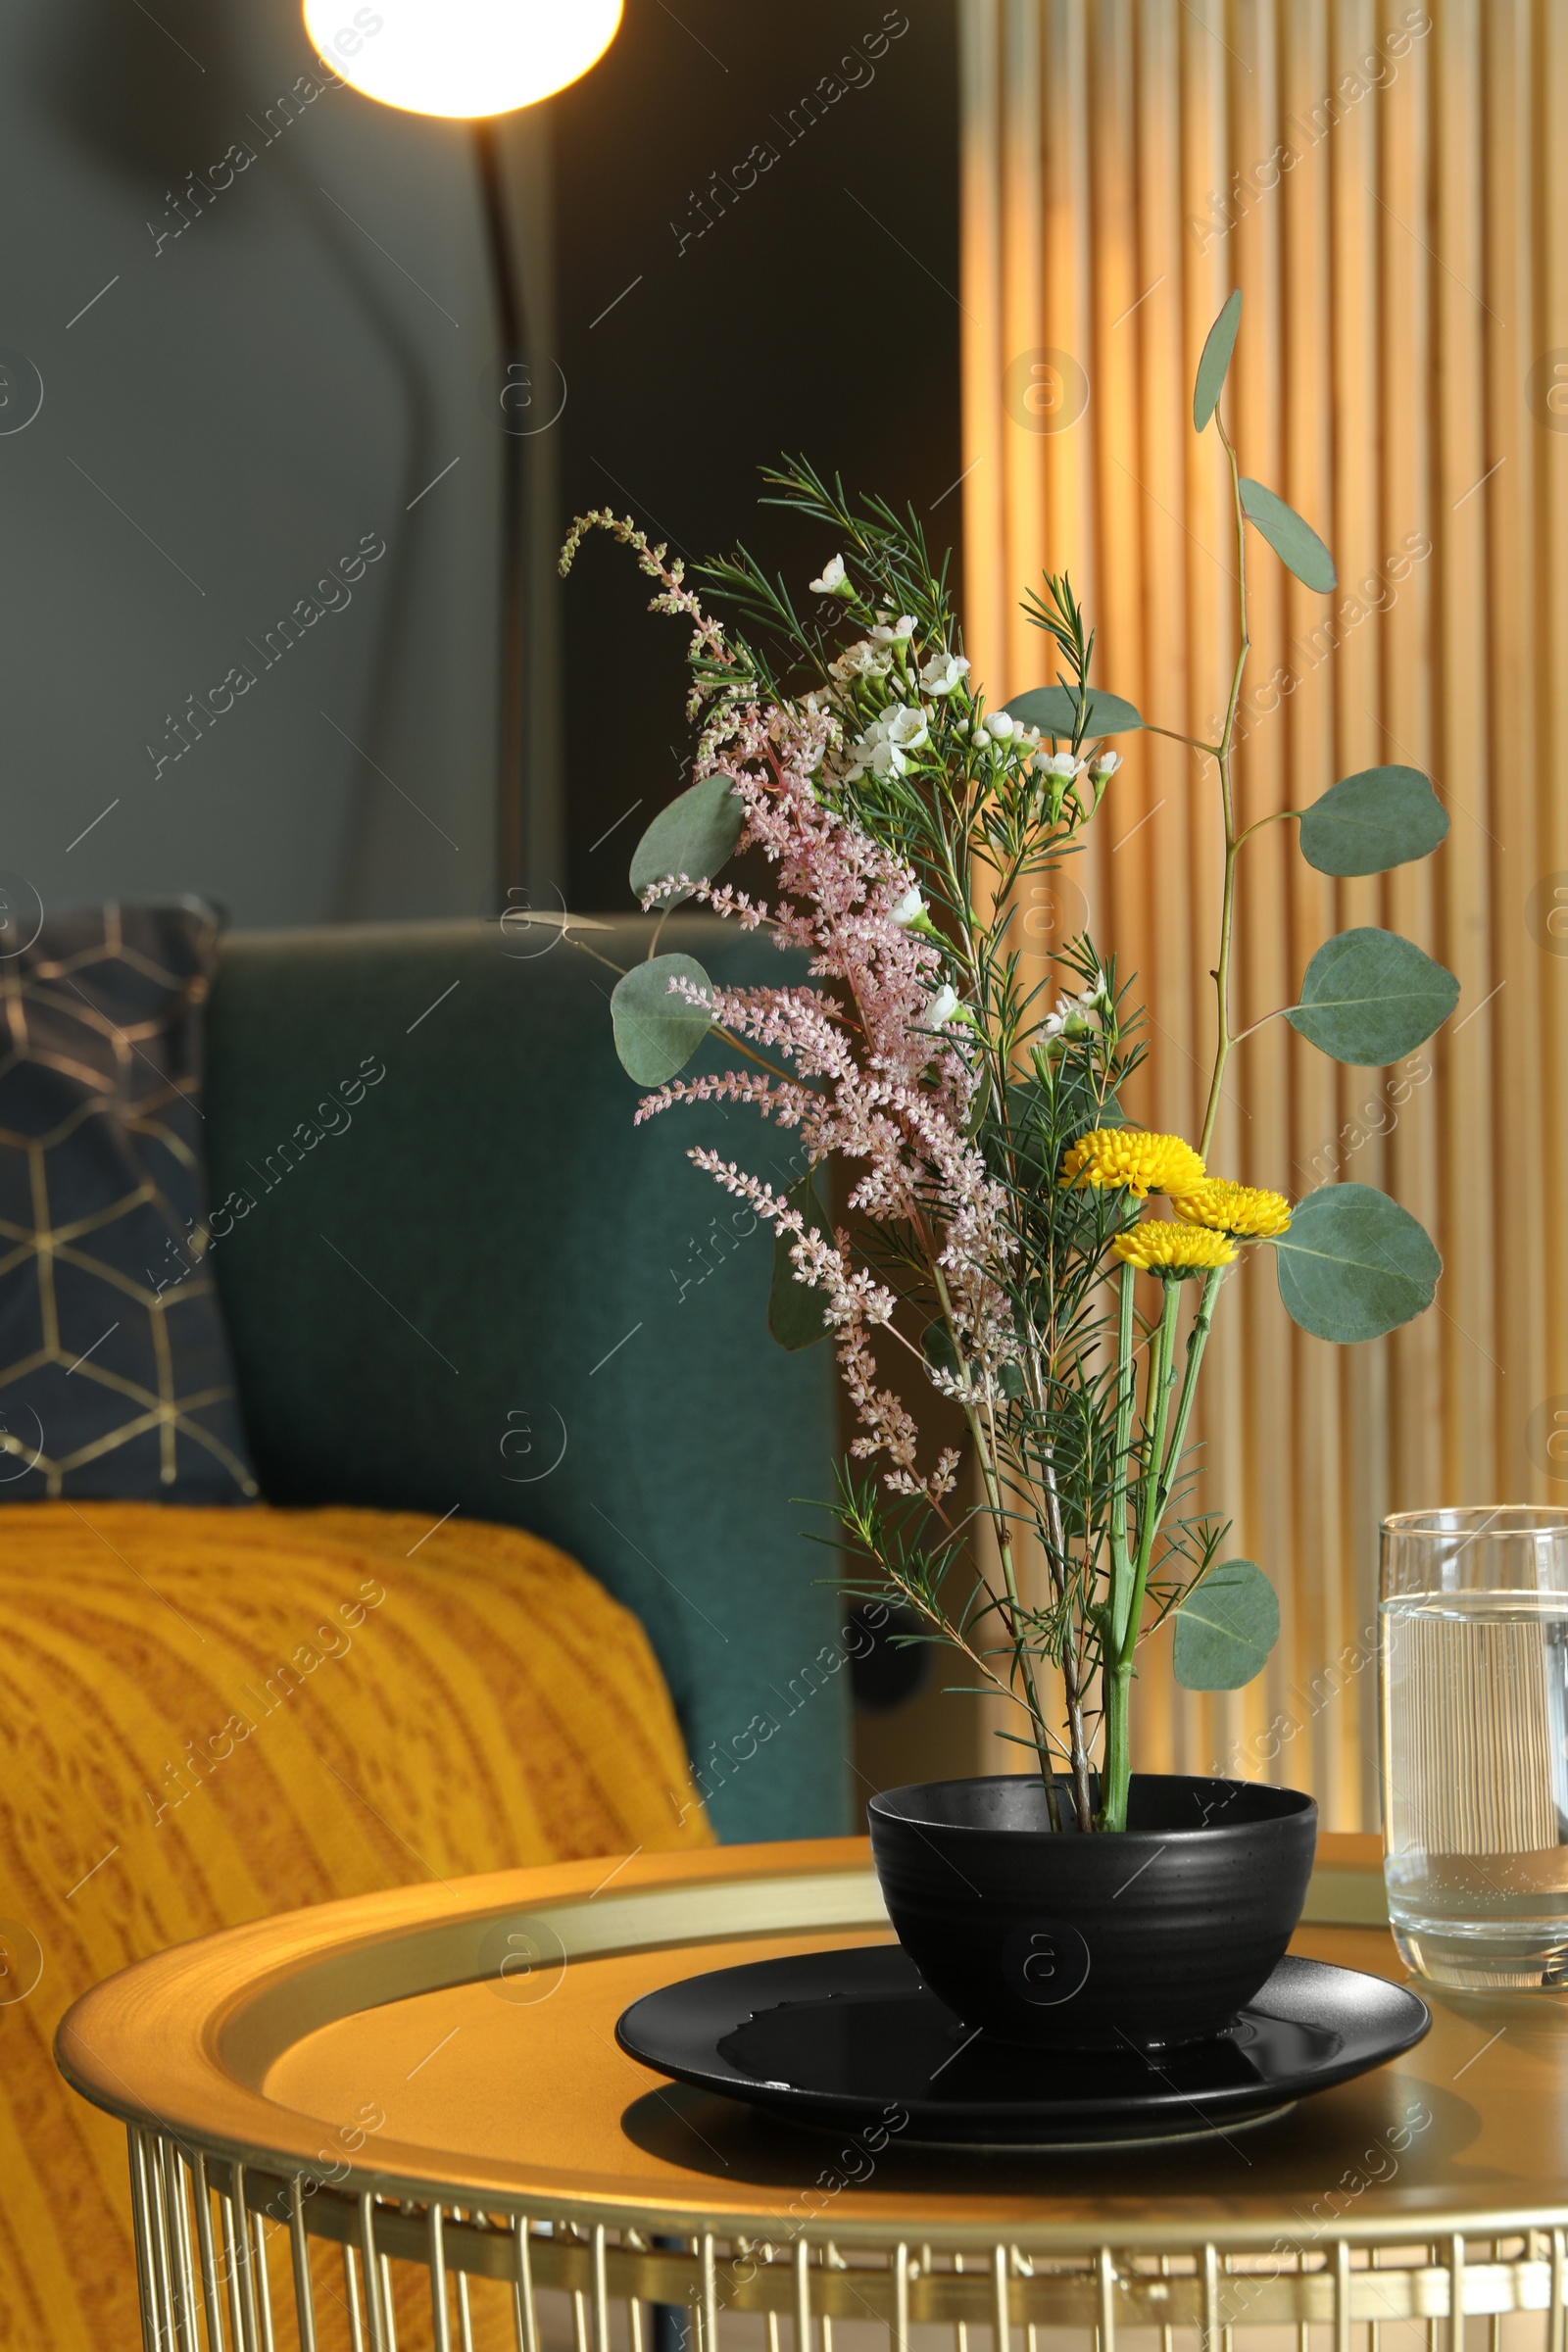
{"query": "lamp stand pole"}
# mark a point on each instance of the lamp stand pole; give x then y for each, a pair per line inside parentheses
(512, 794)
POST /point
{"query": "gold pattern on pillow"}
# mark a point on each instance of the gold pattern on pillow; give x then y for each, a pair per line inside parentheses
(115, 1371)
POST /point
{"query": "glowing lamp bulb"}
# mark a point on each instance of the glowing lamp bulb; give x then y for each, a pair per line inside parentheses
(461, 57)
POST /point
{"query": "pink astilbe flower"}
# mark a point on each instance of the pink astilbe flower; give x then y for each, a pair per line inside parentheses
(869, 1075)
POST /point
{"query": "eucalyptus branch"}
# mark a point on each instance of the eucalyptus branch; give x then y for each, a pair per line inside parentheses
(1278, 1014)
(1223, 754)
(1275, 817)
(1194, 742)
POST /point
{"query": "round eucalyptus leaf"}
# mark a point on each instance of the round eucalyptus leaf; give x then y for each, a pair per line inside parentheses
(1294, 542)
(656, 1032)
(1054, 709)
(1366, 823)
(1369, 996)
(695, 835)
(1355, 1265)
(1218, 345)
(797, 1314)
(1226, 1628)
(936, 1346)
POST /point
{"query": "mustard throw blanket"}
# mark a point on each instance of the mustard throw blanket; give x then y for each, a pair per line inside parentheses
(209, 1715)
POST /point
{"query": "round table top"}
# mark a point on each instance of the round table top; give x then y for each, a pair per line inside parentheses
(380, 2037)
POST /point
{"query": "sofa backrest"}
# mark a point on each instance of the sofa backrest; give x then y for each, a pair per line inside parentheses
(458, 1278)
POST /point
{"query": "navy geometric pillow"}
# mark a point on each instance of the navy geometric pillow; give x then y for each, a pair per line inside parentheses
(115, 1371)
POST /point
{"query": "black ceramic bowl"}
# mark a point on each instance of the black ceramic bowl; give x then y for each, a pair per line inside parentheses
(1154, 1934)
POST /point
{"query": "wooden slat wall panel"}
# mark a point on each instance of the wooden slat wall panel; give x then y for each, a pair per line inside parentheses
(1389, 186)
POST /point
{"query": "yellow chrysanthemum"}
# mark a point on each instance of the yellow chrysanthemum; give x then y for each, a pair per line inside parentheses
(1126, 1156)
(1242, 1209)
(1161, 1245)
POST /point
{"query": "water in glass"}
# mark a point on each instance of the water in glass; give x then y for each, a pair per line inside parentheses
(1474, 1684)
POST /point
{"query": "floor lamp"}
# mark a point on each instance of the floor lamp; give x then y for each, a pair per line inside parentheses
(474, 61)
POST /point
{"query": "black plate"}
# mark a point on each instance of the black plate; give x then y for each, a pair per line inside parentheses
(835, 2039)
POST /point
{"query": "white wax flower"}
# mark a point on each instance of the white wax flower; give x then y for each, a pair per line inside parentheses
(1078, 1016)
(909, 910)
(832, 581)
(944, 671)
(905, 726)
(1059, 763)
(902, 627)
(886, 740)
(1105, 763)
(862, 661)
(942, 1007)
(1000, 726)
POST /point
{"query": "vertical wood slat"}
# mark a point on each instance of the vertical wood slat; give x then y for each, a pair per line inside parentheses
(1549, 73)
(1386, 185)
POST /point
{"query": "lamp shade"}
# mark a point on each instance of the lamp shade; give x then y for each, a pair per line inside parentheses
(461, 57)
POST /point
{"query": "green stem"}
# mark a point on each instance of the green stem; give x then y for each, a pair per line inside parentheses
(1117, 1668)
(1196, 1341)
(1278, 1014)
(1126, 1388)
(1078, 1750)
(1174, 734)
(1275, 817)
(1223, 1040)
(1023, 1664)
(1160, 1481)
(1160, 1374)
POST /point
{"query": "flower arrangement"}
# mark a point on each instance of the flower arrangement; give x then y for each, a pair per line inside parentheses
(1000, 1233)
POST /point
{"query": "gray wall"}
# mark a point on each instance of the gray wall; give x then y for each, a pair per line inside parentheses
(256, 396)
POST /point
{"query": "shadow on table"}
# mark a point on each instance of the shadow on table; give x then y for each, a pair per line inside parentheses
(1391, 2140)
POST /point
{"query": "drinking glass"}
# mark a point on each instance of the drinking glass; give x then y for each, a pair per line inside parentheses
(1473, 1683)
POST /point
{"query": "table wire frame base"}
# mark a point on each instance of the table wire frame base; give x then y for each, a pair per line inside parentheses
(224, 2258)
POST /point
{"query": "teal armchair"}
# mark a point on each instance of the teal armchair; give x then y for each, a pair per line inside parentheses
(457, 1277)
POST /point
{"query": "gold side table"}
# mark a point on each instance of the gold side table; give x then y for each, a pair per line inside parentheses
(345, 2122)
